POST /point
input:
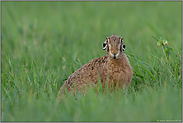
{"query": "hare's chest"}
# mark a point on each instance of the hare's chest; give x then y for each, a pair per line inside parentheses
(114, 71)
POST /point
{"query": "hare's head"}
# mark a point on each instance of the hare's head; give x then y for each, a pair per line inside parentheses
(114, 45)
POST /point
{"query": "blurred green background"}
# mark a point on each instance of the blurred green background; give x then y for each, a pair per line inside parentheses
(42, 43)
(50, 29)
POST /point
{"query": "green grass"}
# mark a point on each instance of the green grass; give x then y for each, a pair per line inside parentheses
(42, 43)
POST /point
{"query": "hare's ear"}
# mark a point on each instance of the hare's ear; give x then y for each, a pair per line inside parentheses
(105, 45)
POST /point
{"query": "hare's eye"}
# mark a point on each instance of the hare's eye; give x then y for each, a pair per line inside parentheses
(104, 44)
(122, 40)
(123, 46)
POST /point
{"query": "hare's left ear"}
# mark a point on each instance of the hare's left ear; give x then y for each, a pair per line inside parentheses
(123, 44)
(105, 44)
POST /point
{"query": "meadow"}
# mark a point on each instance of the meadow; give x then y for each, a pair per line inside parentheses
(42, 43)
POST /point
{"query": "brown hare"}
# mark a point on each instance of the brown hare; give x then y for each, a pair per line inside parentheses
(113, 69)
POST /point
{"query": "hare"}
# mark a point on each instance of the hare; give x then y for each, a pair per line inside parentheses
(113, 69)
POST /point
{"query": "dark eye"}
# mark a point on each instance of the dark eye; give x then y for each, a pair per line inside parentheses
(124, 46)
(104, 44)
(122, 40)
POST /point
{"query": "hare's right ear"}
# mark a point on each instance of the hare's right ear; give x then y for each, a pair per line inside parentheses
(105, 45)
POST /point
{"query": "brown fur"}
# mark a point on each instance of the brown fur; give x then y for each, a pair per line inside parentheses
(107, 68)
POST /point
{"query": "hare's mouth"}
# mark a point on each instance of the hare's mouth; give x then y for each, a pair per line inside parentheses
(114, 56)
